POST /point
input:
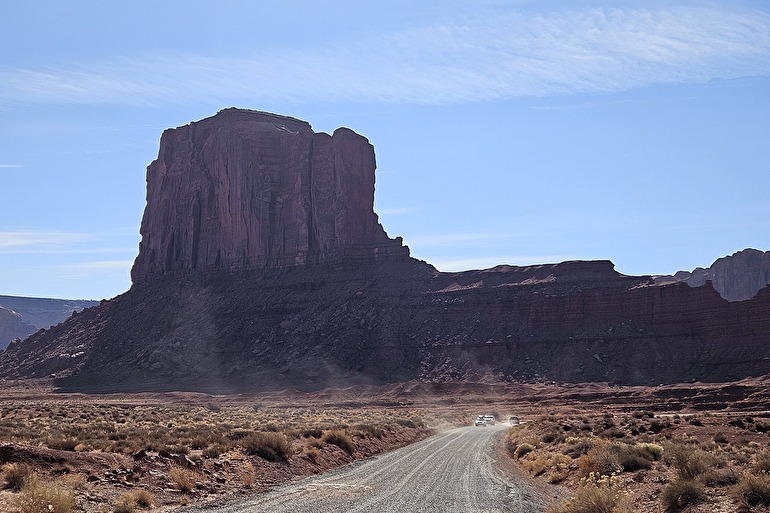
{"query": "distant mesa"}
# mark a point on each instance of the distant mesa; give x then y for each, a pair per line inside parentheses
(22, 316)
(250, 190)
(737, 277)
(262, 266)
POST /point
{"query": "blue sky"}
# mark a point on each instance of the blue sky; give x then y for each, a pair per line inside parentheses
(513, 132)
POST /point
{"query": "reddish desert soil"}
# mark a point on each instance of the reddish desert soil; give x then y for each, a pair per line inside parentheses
(104, 476)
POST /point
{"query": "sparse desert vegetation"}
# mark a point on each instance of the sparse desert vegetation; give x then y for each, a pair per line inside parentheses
(618, 463)
(68, 455)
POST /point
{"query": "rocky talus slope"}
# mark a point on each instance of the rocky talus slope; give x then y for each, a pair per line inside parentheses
(262, 266)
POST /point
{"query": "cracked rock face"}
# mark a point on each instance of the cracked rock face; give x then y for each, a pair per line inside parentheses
(250, 190)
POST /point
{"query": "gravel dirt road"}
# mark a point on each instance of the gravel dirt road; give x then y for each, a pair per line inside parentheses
(452, 472)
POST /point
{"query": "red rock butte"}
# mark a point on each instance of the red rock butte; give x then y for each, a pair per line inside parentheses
(245, 189)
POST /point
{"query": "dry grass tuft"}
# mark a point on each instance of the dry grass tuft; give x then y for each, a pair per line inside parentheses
(754, 489)
(341, 439)
(597, 494)
(269, 445)
(182, 478)
(38, 496)
(681, 493)
(16, 474)
(688, 462)
(142, 498)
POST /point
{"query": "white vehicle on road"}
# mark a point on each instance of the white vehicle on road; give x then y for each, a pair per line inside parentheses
(490, 419)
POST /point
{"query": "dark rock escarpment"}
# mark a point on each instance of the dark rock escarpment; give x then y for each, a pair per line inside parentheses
(262, 266)
(247, 190)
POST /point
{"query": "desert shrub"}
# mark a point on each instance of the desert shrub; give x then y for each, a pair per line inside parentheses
(142, 498)
(523, 449)
(341, 439)
(179, 449)
(212, 452)
(754, 490)
(16, 474)
(406, 423)
(549, 437)
(369, 430)
(762, 462)
(270, 445)
(312, 453)
(124, 505)
(719, 477)
(182, 478)
(38, 496)
(199, 443)
(597, 494)
(631, 457)
(682, 492)
(312, 433)
(248, 475)
(315, 442)
(62, 444)
(653, 452)
(239, 434)
(720, 438)
(600, 460)
(689, 463)
(578, 448)
(553, 465)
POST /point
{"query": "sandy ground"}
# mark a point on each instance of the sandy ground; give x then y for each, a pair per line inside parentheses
(104, 479)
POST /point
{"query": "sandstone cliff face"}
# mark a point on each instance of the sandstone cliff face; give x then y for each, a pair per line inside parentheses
(249, 190)
(262, 266)
(737, 277)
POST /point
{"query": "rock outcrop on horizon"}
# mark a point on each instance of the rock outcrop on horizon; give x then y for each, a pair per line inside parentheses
(737, 277)
(263, 266)
(252, 190)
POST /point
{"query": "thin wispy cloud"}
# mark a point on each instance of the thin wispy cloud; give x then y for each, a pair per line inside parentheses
(10, 166)
(100, 265)
(27, 240)
(59, 243)
(509, 54)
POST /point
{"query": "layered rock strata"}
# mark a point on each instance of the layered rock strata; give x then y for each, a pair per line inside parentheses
(262, 266)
